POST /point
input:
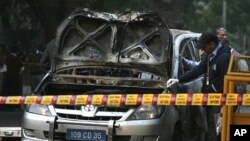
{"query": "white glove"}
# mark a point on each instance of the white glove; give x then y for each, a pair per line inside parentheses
(171, 82)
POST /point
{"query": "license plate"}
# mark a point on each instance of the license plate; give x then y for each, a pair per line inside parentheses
(86, 135)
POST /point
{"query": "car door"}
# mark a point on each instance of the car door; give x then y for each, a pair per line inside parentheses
(188, 51)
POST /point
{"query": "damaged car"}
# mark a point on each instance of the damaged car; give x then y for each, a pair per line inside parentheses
(103, 53)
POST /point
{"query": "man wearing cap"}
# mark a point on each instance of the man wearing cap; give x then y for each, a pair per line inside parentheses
(214, 65)
(221, 33)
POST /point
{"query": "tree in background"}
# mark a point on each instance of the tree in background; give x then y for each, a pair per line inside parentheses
(206, 15)
(238, 23)
(43, 16)
(51, 13)
(18, 23)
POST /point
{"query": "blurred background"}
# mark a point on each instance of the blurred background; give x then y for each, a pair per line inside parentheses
(28, 25)
(32, 23)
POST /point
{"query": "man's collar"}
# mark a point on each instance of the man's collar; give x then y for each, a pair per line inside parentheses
(216, 49)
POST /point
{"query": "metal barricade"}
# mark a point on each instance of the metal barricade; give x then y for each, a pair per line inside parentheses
(237, 80)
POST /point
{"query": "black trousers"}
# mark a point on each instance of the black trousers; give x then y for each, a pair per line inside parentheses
(197, 125)
(211, 111)
(202, 124)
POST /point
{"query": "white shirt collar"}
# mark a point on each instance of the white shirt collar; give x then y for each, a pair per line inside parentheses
(216, 50)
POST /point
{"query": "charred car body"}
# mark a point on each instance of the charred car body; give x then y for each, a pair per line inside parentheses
(101, 53)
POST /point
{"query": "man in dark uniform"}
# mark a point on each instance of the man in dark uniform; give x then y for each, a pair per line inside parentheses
(214, 65)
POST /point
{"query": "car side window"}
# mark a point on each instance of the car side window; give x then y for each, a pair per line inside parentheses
(188, 51)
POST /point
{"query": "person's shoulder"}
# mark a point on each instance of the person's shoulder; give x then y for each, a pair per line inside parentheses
(225, 51)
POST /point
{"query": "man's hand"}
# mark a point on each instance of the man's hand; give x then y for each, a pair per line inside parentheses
(171, 82)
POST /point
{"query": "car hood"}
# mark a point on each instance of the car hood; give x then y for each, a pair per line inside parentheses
(132, 41)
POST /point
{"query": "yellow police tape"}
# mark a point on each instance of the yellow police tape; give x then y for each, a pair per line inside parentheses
(181, 99)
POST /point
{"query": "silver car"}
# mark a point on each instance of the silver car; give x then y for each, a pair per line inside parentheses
(102, 53)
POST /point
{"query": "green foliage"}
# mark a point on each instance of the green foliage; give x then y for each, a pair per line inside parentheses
(167, 1)
(206, 16)
(16, 14)
(203, 15)
(239, 16)
(116, 5)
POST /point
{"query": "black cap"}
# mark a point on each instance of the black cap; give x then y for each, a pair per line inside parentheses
(207, 38)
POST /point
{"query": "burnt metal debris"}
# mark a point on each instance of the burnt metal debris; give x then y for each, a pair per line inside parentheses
(124, 49)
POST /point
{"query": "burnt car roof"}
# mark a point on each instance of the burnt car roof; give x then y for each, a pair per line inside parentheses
(135, 41)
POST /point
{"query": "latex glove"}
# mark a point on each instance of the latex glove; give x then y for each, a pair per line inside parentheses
(171, 82)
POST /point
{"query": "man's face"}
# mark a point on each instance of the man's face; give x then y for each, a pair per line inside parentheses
(208, 48)
(222, 35)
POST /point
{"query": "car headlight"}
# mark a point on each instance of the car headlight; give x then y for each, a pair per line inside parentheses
(39, 109)
(147, 112)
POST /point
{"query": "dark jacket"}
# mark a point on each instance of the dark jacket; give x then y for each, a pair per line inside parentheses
(13, 76)
(217, 69)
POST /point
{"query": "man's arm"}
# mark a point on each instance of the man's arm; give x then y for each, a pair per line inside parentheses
(194, 72)
(189, 64)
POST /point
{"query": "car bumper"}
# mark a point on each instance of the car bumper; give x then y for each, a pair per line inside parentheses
(44, 128)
